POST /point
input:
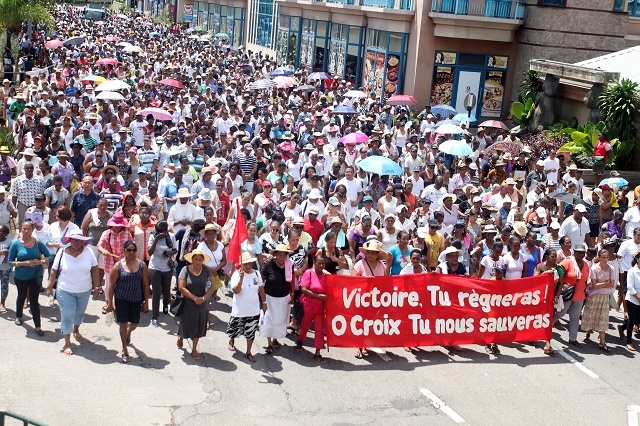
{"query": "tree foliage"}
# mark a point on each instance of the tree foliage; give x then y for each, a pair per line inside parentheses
(618, 106)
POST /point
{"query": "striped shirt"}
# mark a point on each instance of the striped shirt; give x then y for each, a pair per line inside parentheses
(196, 162)
(147, 157)
(247, 163)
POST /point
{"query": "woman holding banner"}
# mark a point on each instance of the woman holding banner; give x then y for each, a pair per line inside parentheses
(451, 262)
(370, 266)
(414, 266)
(313, 285)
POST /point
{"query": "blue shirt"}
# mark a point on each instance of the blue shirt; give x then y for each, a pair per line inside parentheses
(18, 252)
(170, 190)
(81, 204)
(400, 260)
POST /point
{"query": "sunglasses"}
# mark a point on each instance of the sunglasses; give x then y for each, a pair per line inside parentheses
(131, 250)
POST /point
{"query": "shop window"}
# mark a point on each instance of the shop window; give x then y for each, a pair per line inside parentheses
(560, 3)
(321, 29)
(471, 60)
(354, 35)
(395, 42)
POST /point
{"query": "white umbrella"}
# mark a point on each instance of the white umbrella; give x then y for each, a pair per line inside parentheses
(355, 94)
(206, 37)
(112, 86)
(110, 96)
(262, 84)
(194, 37)
(124, 44)
(131, 49)
(455, 147)
(447, 129)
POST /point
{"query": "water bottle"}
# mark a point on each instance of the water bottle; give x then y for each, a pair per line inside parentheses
(207, 286)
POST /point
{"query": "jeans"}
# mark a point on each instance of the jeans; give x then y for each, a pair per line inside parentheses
(160, 284)
(34, 293)
(5, 276)
(72, 309)
(574, 308)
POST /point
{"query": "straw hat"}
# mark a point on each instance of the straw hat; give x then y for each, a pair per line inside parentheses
(280, 248)
(375, 246)
(189, 256)
(184, 193)
(453, 198)
(210, 227)
(246, 258)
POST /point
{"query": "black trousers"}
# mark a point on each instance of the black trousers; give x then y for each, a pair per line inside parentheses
(634, 318)
(34, 292)
(160, 285)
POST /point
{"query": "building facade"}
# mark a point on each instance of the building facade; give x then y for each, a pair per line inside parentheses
(440, 51)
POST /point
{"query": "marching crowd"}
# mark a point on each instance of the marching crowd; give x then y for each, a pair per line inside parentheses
(131, 191)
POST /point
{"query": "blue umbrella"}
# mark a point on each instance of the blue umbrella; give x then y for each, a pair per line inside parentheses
(617, 181)
(455, 147)
(464, 117)
(443, 110)
(318, 76)
(380, 165)
(154, 34)
(344, 109)
(281, 72)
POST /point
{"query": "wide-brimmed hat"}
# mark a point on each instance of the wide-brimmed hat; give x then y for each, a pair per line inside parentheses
(336, 219)
(452, 196)
(205, 194)
(197, 252)
(118, 220)
(246, 258)
(28, 151)
(280, 248)
(4, 150)
(375, 246)
(184, 193)
(171, 168)
(520, 228)
(449, 250)
(76, 234)
(489, 206)
(210, 227)
(490, 229)
(110, 167)
(209, 169)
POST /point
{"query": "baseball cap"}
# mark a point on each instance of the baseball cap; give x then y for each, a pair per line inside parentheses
(580, 208)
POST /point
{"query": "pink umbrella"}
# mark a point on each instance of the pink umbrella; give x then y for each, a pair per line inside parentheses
(111, 38)
(402, 100)
(496, 124)
(157, 113)
(171, 82)
(285, 82)
(107, 61)
(53, 44)
(354, 138)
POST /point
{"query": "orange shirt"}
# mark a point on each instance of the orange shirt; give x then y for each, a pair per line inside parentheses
(570, 278)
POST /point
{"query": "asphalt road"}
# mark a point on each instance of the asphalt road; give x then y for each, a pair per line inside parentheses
(164, 385)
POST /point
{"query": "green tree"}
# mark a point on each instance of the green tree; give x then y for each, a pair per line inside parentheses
(618, 106)
(14, 12)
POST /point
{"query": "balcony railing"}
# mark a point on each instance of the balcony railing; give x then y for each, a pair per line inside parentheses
(505, 9)
(388, 4)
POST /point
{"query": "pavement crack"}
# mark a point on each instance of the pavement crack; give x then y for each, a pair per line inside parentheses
(280, 383)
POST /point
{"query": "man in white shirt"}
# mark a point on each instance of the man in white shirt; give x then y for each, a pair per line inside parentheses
(435, 191)
(631, 220)
(628, 249)
(354, 187)
(551, 167)
(223, 123)
(576, 227)
(137, 131)
(183, 212)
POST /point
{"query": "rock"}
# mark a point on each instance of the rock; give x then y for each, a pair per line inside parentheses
(546, 113)
(592, 96)
(551, 85)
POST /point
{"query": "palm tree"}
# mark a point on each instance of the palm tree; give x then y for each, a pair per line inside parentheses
(14, 12)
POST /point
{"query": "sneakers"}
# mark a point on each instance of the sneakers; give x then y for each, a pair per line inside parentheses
(165, 310)
(154, 323)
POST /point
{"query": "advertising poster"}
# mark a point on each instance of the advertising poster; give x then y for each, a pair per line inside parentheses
(497, 61)
(306, 51)
(445, 58)
(374, 71)
(436, 310)
(393, 73)
(442, 86)
(493, 95)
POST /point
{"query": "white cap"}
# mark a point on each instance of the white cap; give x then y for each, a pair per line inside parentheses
(540, 211)
(554, 225)
(477, 199)
(581, 208)
(540, 163)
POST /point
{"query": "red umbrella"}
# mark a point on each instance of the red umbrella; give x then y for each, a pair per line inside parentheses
(172, 82)
(402, 100)
(111, 38)
(53, 44)
(496, 124)
(107, 61)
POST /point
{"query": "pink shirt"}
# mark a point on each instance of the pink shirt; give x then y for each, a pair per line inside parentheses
(363, 269)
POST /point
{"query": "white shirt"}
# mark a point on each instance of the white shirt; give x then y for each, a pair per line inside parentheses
(549, 165)
(247, 302)
(75, 272)
(354, 187)
(433, 194)
(627, 250)
(137, 132)
(575, 231)
(632, 220)
(181, 212)
(513, 266)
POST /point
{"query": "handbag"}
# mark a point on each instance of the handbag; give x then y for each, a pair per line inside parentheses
(176, 306)
(567, 292)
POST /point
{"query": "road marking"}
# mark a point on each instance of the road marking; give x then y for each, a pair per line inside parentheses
(440, 405)
(578, 364)
(632, 414)
(382, 354)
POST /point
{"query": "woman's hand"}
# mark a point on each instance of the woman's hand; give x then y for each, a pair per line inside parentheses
(199, 300)
(49, 291)
(110, 307)
(145, 306)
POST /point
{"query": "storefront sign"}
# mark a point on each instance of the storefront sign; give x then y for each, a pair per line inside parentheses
(442, 87)
(393, 72)
(374, 71)
(446, 58)
(493, 95)
(497, 61)
(436, 310)
(187, 13)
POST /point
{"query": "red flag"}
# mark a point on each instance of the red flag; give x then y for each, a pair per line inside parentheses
(240, 234)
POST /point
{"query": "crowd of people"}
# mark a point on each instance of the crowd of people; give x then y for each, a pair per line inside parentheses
(136, 194)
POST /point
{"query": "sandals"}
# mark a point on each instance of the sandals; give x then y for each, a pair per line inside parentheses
(631, 347)
(576, 343)
(292, 330)
(195, 356)
(67, 351)
(495, 348)
(250, 357)
(587, 338)
(125, 357)
(358, 354)
(298, 345)
(365, 352)
(232, 345)
(319, 358)
(180, 342)
(104, 310)
(269, 349)
(604, 347)
(18, 321)
(3, 310)
(489, 349)
(276, 344)
(550, 351)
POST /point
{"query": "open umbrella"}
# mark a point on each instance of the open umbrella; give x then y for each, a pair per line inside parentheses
(285, 82)
(205, 37)
(54, 44)
(496, 124)
(380, 165)
(133, 49)
(617, 181)
(318, 76)
(281, 71)
(223, 35)
(97, 78)
(111, 38)
(73, 41)
(124, 44)
(171, 82)
(157, 113)
(155, 34)
(354, 138)
(122, 16)
(107, 61)
(355, 94)
(446, 122)
(344, 109)
(112, 86)
(443, 110)
(194, 37)
(231, 48)
(513, 148)
(568, 198)
(402, 100)
(265, 83)
(455, 147)
(449, 129)
(306, 88)
(110, 96)
(464, 117)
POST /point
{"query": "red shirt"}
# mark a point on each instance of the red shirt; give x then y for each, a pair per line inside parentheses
(223, 210)
(314, 229)
(601, 149)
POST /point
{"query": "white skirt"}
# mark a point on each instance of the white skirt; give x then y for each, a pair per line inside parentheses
(276, 319)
